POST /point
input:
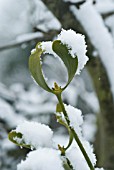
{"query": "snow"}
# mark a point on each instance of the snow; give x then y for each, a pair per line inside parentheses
(17, 88)
(99, 169)
(84, 91)
(35, 134)
(30, 96)
(7, 145)
(15, 15)
(32, 99)
(104, 7)
(8, 114)
(109, 21)
(73, 1)
(89, 151)
(77, 1)
(42, 159)
(91, 100)
(61, 139)
(76, 45)
(95, 53)
(69, 94)
(33, 51)
(6, 94)
(35, 109)
(29, 103)
(47, 48)
(33, 104)
(76, 121)
(75, 117)
(99, 36)
(42, 18)
(89, 127)
(29, 36)
(77, 159)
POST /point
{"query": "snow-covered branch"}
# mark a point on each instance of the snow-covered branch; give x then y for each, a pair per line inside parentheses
(99, 36)
(25, 38)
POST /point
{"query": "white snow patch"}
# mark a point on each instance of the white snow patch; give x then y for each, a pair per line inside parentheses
(35, 109)
(33, 51)
(7, 145)
(77, 159)
(109, 21)
(95, 53)
(35, 134)
(61, 139)
(89, 150)
(42, 159)
(105, 7)
(47, 48)
(99, 168)
(76, 45)
(75, 117)
(42, 18)
(73, 1)
(8, 114)
(29, 36)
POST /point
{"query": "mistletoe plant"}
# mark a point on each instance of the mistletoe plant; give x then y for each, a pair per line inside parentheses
(71, 49)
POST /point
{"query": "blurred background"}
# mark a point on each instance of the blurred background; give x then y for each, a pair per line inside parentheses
(22, 25)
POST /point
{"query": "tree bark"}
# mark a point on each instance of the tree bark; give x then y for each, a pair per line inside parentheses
(105, 135)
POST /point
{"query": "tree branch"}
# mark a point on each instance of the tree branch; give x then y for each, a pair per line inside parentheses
(27, 38)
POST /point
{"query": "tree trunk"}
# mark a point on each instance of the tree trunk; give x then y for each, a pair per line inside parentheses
(105, 136)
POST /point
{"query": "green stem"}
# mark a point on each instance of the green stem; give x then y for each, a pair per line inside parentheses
(69, 164)
(74, 133)
(63, 108)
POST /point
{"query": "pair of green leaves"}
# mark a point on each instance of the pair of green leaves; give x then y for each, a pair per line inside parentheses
(63, 52)
(36, 70)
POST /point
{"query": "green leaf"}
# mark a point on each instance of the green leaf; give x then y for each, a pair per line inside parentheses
(70, 63)
(62, 51)
(62, 122)
(70, 140)
(13, 135)
(36, 68)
